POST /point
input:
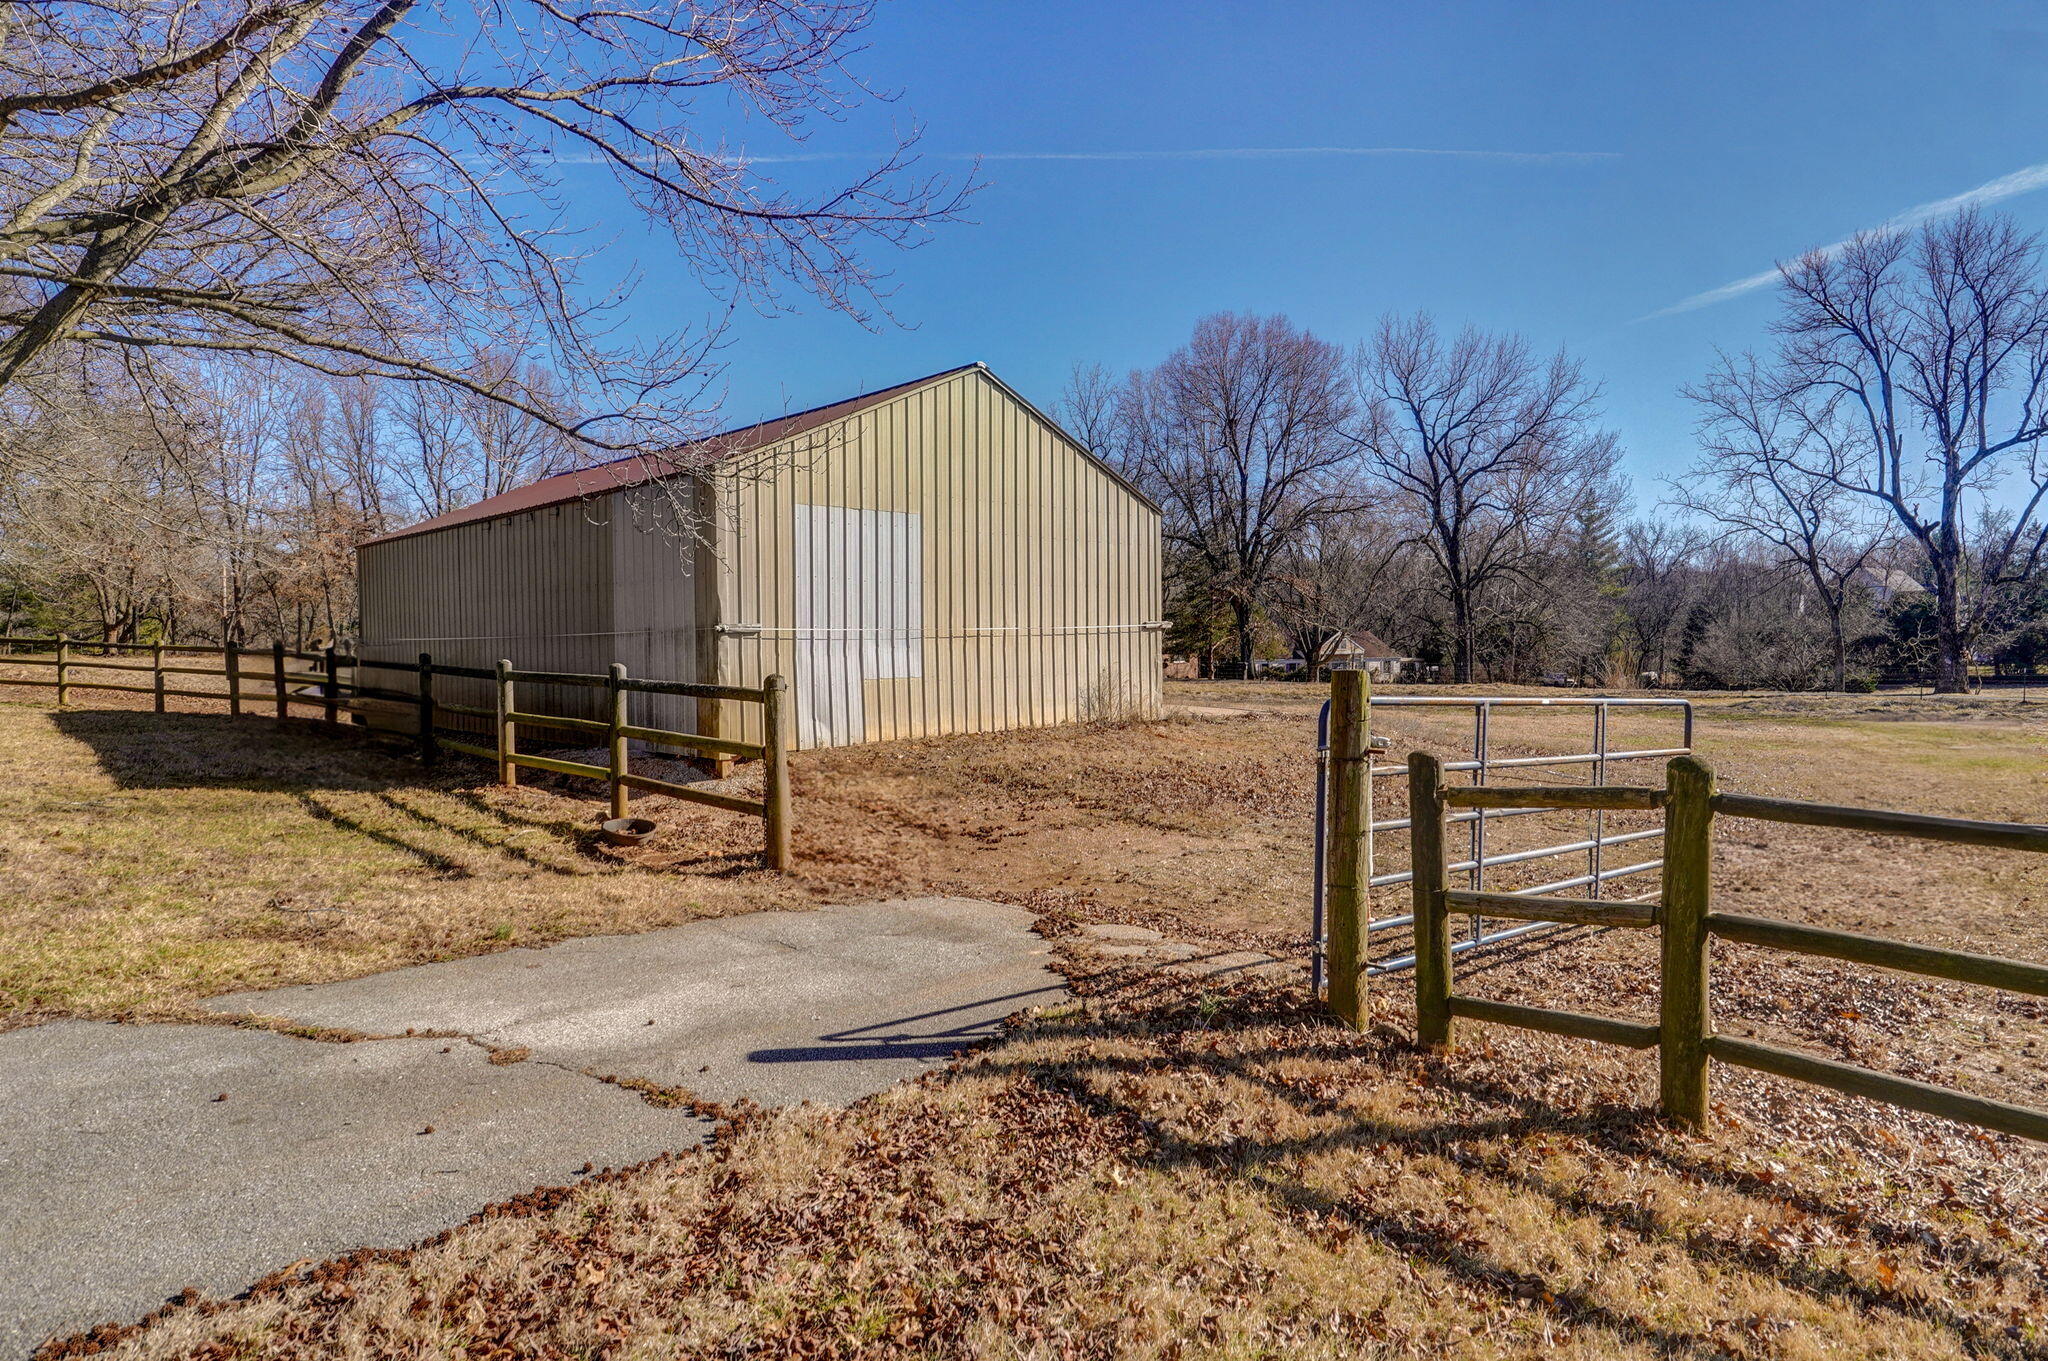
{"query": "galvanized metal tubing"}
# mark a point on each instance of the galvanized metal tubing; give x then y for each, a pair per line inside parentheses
(1482, 803)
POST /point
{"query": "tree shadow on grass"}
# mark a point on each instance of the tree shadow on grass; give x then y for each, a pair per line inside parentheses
(141, 750)
(330, 775)
(417, 809)
(1265, 1166)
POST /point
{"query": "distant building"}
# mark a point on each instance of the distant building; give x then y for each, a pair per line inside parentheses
(1363, 651)
(1887, 584)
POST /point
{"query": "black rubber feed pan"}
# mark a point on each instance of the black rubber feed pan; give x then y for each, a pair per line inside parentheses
(627, 831)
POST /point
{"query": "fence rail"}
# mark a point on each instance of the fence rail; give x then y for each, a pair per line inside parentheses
(1481, 805)
(286, 685)
(325, 689)
(1685, 920)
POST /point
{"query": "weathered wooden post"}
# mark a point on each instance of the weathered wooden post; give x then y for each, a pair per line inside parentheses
(63, 669)
(775, 778)
(1686, 1018)
(277, 681)
(332, 687)
(1349, 867)
(1432, 914)
(156, 678)
(231, 659)
(616, 736)
(508, 737)
(429, 748)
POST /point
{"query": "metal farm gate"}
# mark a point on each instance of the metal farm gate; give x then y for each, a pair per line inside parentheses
(1479, 765)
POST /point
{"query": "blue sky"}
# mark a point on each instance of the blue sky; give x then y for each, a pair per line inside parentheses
(1647, 154)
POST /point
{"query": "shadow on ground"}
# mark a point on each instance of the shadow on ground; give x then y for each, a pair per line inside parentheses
(374, 785)
(1823, 1239)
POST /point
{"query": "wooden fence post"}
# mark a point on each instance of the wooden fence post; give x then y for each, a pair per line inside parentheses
(775, 778)
(1349, 895)
(429, 748)
(277, 681)
(1432, 915)
(1686, 1017)
(231, 660)
(508, 736)
(332, 688)
(63, 669)
(156, 666)
(617, 740)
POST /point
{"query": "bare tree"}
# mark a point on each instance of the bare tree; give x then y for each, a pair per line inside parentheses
(356, 186)
(1240, 435)
(1919, 363)
(1090, 407)
(1750, 624)
(1658, 563)
(1492, 452)
(1761, 477)
(459, 446)
(1329, 584)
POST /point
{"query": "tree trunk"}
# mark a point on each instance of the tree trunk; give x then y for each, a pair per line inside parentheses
(1241, 624)
(1461, 637)
(1841, 653)
(1951, 642)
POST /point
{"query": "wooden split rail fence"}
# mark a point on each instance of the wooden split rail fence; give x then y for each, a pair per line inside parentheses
(617, 730)
(1685, 917)
(315, 679)
(78, 664)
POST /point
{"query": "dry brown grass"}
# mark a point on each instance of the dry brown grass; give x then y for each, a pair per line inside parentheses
(152, 860)
(1177, 1171)
(146, 861)
(1174, 1169)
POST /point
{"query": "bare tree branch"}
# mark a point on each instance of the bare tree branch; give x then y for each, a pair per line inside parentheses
(333, 182)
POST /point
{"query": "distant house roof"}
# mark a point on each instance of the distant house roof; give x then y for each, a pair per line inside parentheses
(1365, 644)
(1892, 581)
(638, 469)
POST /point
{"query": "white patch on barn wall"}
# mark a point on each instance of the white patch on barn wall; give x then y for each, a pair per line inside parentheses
(859, 614)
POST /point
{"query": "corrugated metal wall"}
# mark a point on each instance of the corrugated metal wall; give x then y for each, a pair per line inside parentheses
(945, 561)
(1036, 583)
(572, 587)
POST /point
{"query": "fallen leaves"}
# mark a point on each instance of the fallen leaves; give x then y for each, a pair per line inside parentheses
(1182, 1169)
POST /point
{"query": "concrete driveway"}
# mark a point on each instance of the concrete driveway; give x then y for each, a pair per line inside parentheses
(136, 1161)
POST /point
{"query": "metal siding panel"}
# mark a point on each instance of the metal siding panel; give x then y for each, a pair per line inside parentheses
(470, 594)
(654, 552)
(1038, 571)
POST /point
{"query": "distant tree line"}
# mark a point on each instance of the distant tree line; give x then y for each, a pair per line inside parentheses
(225, 501)
(1867, 500)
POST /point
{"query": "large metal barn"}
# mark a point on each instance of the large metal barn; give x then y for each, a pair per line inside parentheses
(936, 557)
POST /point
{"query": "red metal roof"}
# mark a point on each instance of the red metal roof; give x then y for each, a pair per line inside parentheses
(636, 469)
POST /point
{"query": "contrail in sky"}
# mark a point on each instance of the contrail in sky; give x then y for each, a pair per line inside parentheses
(1991, 191)
(1208, 154)
(1191, 154)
